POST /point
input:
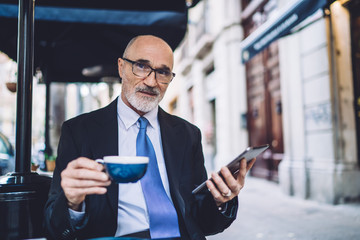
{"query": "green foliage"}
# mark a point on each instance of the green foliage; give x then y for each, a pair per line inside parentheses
(50, 158)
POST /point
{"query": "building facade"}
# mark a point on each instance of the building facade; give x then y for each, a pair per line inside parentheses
(299, 94)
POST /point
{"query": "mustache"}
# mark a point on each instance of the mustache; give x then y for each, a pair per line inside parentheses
(147, 89)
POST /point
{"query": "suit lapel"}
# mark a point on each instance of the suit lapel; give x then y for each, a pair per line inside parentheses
(106, 142)
(173, 148)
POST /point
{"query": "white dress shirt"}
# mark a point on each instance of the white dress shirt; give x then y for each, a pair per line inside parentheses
(132, 210)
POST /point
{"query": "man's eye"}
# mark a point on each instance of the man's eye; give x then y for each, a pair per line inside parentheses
(163, 72)
(142, 66)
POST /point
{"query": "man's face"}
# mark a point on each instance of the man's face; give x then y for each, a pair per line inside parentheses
(139, 93)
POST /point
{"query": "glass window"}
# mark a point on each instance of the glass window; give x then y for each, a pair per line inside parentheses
(3, 148)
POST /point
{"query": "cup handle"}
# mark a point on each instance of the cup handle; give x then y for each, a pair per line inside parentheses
(100, 161)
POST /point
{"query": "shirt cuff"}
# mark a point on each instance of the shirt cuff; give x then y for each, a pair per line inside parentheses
(76, 217)
(228, 209)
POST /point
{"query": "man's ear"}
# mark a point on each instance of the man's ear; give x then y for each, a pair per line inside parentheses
(120, 66)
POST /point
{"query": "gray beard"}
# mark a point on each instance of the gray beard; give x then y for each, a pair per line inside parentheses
(144, 104)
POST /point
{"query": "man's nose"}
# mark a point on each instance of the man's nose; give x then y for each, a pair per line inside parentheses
(150, 80)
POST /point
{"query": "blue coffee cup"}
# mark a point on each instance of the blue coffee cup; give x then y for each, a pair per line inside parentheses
(125, 169)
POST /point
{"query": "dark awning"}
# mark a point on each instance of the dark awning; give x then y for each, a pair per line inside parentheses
(71, 35)
(278, 26)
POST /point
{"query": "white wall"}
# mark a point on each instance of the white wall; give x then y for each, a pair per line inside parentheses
(220, 47)
(319, 129)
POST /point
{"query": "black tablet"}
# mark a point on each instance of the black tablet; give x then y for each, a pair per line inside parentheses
(234, 165)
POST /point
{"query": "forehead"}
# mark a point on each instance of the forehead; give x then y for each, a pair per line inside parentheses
(151, 49)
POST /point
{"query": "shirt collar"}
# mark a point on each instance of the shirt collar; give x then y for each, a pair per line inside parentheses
(129, 117)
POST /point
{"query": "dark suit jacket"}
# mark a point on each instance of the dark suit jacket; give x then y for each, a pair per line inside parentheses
(95, 135)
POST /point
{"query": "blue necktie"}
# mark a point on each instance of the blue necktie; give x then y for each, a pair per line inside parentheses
(162, 213)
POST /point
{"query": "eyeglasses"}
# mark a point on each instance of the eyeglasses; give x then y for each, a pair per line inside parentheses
(144, 70)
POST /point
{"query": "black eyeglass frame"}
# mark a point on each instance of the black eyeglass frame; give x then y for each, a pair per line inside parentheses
(152, 70)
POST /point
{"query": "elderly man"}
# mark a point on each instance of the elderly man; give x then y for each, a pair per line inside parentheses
(84, 203)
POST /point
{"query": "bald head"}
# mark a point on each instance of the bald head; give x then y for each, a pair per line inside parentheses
(148, 39)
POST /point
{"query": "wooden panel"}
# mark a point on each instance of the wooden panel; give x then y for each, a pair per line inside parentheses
(264, 104)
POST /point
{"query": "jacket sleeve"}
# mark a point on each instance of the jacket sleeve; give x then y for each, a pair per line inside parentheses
(205, 212)
(57, 217)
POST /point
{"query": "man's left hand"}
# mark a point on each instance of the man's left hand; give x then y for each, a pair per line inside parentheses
(228, 187)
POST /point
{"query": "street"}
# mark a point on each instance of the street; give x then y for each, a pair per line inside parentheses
(267, 213)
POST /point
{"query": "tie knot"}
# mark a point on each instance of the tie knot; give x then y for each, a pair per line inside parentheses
(143, 122)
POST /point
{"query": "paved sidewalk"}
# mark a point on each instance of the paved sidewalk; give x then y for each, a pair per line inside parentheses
(266, 213)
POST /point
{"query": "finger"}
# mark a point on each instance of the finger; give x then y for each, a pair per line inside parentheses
(87, 191)
(231, 182)
(87, 163)
(220, 184)
(242, 169)
(75, 183)
(250, 164)
(218, 197)
(242, 173)
(85, 174)
(76, 196)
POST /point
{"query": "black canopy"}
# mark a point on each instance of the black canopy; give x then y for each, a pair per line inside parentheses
(71, 35)
(279, 25)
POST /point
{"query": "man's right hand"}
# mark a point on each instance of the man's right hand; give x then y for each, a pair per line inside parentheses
(82, 177)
